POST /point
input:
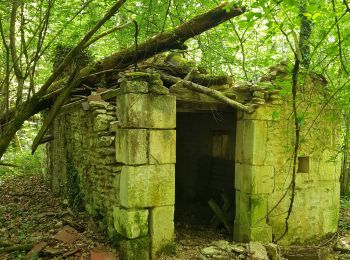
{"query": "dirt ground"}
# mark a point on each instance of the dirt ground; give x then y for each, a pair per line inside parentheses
(30, 216)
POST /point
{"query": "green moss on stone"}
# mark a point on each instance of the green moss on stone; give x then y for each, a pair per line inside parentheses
(75, 198)
(135, 249)
(142, 76)
(168, 249)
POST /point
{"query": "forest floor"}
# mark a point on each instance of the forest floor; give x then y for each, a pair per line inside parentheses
(31, 216)
(34, 224)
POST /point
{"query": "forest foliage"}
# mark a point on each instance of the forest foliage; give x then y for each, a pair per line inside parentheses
(268, 33)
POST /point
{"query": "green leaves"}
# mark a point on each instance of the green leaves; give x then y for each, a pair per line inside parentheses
(275, 115)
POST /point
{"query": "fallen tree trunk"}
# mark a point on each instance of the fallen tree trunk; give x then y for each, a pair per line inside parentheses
(91, 74)
(174, 39)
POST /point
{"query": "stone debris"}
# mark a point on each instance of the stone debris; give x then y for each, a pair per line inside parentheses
(67, 235)
(258, 251)
(273, 251)
(102, 254)
(343, 244)
(259, 94)
(223, 249)
(211, 251)
(306, 252)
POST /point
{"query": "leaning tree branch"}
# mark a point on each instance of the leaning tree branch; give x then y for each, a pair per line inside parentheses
(72, 83)
(207, 91)
(25, 110)
(105, 33)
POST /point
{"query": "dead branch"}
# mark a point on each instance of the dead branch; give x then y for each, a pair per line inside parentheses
(74, 80)
(25, 247)
(210, 92)
(105, 33)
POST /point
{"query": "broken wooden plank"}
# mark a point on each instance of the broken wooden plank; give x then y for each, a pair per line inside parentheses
(215, 221)
(111, 93)
(221, 215)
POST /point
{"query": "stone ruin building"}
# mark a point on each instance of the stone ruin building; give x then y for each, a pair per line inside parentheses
(132, 153)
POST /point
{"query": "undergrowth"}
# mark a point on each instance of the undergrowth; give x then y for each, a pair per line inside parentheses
(344, 218)
(24, 162)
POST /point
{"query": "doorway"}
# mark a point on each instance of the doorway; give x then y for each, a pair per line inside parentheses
(205, 165)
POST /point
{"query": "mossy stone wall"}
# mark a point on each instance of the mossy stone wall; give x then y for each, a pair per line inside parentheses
(264, 161)
(117, 160)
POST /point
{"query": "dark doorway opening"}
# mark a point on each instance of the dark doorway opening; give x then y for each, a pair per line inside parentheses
(205, 165)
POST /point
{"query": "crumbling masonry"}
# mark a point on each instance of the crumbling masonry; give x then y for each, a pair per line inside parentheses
(117, 158)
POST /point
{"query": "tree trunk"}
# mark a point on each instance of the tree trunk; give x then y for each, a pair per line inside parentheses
(345, 173)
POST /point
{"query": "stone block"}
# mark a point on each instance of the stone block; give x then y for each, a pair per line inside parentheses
(113, 126)
(244, 233)
(101, 122)
(104, 141)
(258, 210)
(133, 87)
(132, 146)
(162, 146)
(240, 232)
(251, 210)
(98, 111)
(251, 142)
(98, 104)
(106, 151)
(261, 233)
(330, 220)
(116, 181)
(146, 111)
(135, 249)
(147, 186)
(161, 223)
(131, 223)
(242, 216)
(264, 112)
(254, 179)
(278, 202)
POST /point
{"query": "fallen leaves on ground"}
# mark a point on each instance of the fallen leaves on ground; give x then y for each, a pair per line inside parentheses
(31, 216)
